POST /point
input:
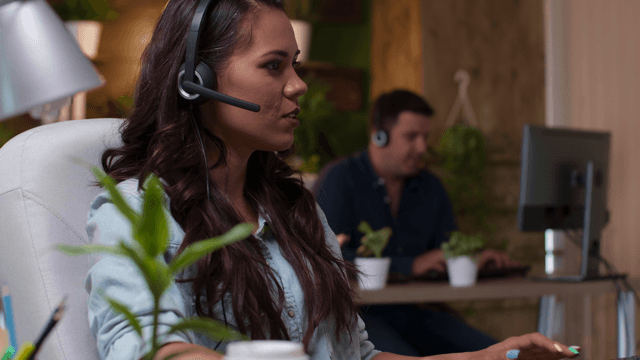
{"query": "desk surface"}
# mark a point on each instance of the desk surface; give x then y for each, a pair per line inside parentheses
(417, 292)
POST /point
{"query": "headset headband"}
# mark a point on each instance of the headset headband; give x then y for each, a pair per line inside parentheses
(191, 55)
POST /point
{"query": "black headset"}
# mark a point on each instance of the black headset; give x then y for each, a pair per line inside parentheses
(380, 138)
(192, 68)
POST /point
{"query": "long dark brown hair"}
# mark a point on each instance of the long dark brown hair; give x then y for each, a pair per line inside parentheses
(159, 137)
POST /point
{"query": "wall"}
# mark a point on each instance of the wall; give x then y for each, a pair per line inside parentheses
(598, 91)
(396, 46)
(500, 43)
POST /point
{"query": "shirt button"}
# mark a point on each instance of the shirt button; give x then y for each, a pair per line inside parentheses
(291, 313)
(386, 199)
(399, 250)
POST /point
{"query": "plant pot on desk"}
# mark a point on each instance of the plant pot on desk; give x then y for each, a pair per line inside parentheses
(375, 272)
(463, 271)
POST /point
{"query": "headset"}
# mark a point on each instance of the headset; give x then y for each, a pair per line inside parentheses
(192, 68)
(380, 138)
(202, 92)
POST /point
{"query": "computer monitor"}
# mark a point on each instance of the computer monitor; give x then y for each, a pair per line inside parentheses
(563, 185)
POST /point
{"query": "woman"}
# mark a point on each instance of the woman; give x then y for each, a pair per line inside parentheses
(288, 280)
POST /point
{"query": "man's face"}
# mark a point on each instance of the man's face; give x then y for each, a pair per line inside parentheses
(407, 145)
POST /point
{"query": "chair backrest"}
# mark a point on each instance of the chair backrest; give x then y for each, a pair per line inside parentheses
(44, 201)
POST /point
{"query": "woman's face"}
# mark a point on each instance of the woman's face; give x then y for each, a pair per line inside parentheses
(261, 72)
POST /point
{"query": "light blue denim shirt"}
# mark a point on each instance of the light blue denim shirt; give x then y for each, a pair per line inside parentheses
(120, 279)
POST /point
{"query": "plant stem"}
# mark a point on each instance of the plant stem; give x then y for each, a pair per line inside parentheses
(156, 312)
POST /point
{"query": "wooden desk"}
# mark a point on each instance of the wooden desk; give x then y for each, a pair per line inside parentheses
(418, 292)
(484, 290)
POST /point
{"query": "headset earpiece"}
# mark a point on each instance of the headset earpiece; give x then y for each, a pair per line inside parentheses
(205, 77)
(201, 78)
(380, 138)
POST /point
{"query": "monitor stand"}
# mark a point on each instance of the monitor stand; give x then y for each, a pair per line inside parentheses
(589, 269)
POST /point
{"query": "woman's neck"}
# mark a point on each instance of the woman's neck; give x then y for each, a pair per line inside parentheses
(231, 179)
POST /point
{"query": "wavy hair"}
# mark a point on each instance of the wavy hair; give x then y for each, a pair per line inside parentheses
(159, 136)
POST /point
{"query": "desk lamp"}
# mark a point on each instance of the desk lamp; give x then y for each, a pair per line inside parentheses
(40, 61)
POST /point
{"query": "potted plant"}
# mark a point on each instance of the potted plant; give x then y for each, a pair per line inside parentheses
(460, 253)
(373, 267)
(302, 15)
(150, 232)
(83, 20)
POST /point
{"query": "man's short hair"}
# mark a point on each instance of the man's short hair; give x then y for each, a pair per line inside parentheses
(388, 106)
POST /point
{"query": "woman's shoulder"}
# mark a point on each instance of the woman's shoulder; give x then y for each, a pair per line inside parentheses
(130, 191)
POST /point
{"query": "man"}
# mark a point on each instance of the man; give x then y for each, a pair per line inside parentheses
(386, 185)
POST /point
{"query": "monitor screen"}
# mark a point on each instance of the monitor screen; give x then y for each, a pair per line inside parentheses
(553, 178)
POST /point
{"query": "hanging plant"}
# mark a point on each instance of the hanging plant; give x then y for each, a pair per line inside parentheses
(461, 156)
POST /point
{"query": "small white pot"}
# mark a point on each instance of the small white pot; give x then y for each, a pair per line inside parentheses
(87, 34)
(374, 272)
(463, 271)
(302, 32)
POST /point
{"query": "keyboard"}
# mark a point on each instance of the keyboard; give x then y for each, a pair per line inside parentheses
(487, 273)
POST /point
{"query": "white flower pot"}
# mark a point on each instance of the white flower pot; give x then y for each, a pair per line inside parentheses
(87, 34)
(463, 271)
(302, 32)
(374, 272)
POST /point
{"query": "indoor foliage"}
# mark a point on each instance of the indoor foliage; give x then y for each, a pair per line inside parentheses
(373, 242)
(151, 234)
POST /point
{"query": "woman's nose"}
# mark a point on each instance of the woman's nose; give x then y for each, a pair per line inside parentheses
(295, 87)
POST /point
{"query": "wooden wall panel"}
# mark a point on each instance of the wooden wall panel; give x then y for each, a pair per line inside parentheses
(500, 43)
(396, 46)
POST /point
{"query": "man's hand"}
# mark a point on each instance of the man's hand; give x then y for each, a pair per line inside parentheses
(343, 239)
(431, 260)
(496, 259)
(530, 346)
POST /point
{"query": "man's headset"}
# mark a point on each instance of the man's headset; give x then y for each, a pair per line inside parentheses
(380, 138)
(193, 68)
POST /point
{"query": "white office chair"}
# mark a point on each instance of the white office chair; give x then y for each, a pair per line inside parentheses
(44, 201)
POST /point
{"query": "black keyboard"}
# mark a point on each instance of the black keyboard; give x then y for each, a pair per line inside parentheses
(487, 273)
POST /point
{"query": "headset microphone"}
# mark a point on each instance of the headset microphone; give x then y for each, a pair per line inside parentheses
(193, 70)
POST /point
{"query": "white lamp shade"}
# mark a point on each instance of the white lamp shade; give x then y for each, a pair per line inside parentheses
(40, 61)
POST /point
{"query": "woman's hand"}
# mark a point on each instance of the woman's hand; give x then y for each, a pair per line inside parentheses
(533, 346)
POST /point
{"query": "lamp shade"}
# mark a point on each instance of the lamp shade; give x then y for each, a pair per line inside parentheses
(40, 61)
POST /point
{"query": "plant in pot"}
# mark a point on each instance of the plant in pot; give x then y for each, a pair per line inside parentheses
(460, 253)
(83, 20)
(374, 268)
(302, 14)
(150, 233)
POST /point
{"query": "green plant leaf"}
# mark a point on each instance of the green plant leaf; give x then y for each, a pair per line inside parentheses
(88, 249)
(209, 327)
(195, 251)
(122, 309)
(108, 183)
(374, 242)
(460, 244)
(155, 272)
(152, 232)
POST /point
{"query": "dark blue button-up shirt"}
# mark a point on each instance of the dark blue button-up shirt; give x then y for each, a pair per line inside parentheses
(350, 191)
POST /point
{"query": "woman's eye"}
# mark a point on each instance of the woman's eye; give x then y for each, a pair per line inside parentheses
(275, 65)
